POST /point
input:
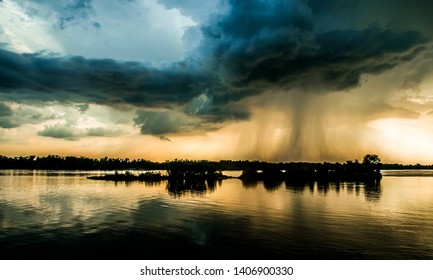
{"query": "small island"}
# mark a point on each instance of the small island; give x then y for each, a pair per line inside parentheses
(176, 170)
(189, 172)
(150, 176)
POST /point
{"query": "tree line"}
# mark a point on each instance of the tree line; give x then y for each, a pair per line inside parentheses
(55, 162)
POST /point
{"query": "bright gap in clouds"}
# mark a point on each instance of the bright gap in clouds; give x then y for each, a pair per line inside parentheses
(403, 140)
(22, 33)
(120, 30)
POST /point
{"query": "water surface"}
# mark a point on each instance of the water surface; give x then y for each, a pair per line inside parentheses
(64, 215)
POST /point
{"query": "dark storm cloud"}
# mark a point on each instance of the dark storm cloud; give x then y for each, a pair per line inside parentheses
(159, 122)
(272, 43)
(400, 14)
(347, 54)
(75, 79)
(246, 49)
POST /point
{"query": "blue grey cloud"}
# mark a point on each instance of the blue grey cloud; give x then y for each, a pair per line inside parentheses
(399, 14)
(35, 77)
(59, 131)
(69, 132)
(96, 25)
(11, 118)
(161, 122)
(6, 120)
(70, 13)
(5, 110)
(64, 22)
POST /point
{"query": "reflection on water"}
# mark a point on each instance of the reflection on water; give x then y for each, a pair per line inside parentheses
(59, 215)
(179, 187)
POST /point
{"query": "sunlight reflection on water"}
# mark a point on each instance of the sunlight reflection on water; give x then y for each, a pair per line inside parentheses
(231, 219)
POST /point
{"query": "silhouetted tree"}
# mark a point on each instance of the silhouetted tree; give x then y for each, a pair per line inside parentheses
(372, 161)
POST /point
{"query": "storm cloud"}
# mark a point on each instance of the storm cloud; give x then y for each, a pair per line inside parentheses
(76, 79)
(162, 122)
(243, 50)
(273, 44)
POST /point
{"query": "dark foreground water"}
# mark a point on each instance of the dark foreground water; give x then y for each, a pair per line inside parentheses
(63, 215)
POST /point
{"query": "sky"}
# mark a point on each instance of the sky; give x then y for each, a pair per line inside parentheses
(273, 80)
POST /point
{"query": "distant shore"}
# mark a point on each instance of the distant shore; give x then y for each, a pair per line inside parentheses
(55, 162)
(368, 169)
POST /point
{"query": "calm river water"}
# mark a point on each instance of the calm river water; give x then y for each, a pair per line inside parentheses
(64, 215)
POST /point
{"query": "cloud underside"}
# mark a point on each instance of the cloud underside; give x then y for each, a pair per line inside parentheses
(68, 132)
(249, 48)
